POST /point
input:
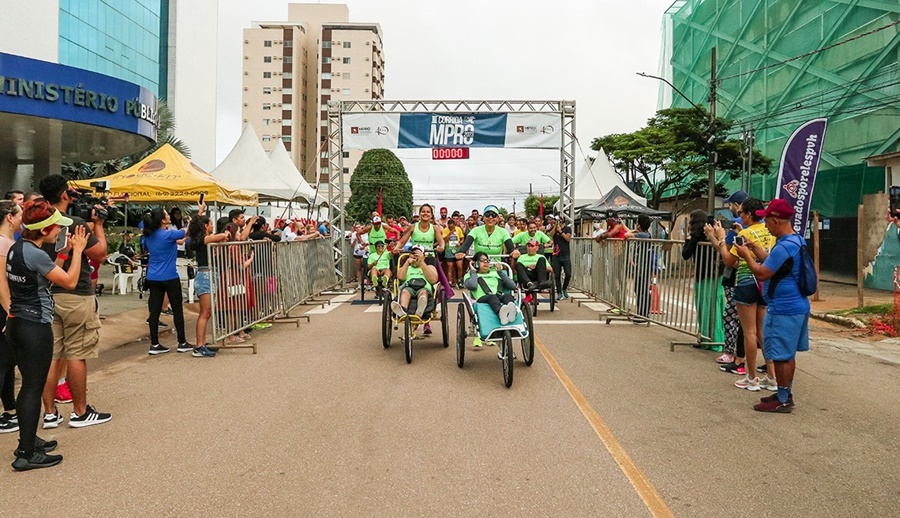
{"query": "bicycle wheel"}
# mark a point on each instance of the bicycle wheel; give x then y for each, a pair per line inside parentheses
(386, 324)
(528, 343)
(506, 354)
(552, 298)
(407, 340)
(445, 320)
(461, 335)
(362, 291)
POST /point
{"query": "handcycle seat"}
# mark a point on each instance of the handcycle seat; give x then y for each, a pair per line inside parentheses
(429, 306)
(488, 321)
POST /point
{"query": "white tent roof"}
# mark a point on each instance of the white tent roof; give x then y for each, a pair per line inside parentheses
(287, 172)
(594, 180)
(247, 166)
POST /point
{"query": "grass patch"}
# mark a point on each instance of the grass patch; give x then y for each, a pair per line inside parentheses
(878, 309)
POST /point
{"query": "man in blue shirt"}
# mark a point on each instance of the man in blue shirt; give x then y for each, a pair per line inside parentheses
(786, 326)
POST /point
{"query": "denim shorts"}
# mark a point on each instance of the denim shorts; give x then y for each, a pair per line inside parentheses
(748, 294)
(785, 335)
(201, 283)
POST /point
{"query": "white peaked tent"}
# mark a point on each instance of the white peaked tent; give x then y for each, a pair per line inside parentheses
(594, 180)
(247, 166)
(287, 172)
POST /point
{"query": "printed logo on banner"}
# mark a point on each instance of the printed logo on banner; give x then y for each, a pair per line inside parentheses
(534, 130)
(383, 130)
(792, 187)
(419, 130)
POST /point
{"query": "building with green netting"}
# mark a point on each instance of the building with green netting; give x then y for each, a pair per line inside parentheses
(783, 62)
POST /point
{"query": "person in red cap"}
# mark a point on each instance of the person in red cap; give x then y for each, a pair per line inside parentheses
(443, 219)
(786, 325)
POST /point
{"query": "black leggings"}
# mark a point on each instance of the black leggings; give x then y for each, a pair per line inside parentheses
(495, 302)
(538, 274)
(32, 344)
(7, 370)
(158, 290)
(562, 263)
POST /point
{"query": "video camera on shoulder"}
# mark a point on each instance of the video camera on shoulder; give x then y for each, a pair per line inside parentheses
(85, 199)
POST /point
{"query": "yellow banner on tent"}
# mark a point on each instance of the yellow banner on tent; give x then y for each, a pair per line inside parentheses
(167, 175)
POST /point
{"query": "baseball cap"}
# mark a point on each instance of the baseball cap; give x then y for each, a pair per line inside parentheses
(379, 243)
(778, 208)
(417, 247)
(376, 219)
(737, 197)
(443, 209)
(491, 208)
(532, 242)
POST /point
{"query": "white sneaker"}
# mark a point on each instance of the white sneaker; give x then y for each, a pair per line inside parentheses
(52, 420)
(768, 384)
(398, 309)
(507, 313)
(746, 383)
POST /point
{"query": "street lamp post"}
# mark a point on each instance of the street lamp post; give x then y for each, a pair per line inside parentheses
(550, 177)
(711, 183)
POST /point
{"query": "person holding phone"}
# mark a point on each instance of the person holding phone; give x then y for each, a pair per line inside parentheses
(162, 278)
(200, 234)
(29, 274)
(709, 296)
(418, 278)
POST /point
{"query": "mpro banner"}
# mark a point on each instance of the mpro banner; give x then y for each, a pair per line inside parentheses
(431, 130)
(797, 173)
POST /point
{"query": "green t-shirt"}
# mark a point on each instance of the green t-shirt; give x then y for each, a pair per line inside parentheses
(491, 244)
(376, 235)
(381, 262)
(522, 238)
(491, 278)
(414, 272)
(529, 261)
(425, 239)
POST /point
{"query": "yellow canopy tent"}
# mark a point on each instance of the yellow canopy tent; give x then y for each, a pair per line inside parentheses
(167, 175)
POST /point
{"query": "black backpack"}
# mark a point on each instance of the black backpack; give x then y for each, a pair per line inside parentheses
(808, 280)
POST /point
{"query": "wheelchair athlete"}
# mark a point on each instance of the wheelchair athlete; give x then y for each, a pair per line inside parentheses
(532, 268)
(491, 286)
(379, 265)
(418, 279)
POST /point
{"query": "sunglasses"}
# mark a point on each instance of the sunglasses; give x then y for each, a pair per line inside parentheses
(484, 260)
(490, 214)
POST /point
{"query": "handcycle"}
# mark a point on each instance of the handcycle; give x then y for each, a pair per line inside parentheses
(436, 308)
(532, 298)
(485, 324)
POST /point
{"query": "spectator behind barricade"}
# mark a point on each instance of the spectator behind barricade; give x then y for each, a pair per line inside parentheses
(310, 233)
(10, 223)
(325, 228)
(360, 245)
(598, 230)
(76, 323)
(786, 327)
(127, 246)
(709, 298)
(645, 263)
(732, 360)
(492, 286)
(239, 226)
(162, 278)
(17, 197)
(289, 232)
(259, 231)
(561, 260)
(177, 222)
(615, 229)
(200, 234)
(418, 280)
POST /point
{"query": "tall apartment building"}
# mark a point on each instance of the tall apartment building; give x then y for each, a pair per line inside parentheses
(292, 70)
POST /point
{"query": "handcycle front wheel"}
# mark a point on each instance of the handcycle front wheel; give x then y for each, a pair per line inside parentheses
(461, 335)
(407, 339)
(445, 320)
(528, 343)
(506, 353)
(552, 297)
(386, 324)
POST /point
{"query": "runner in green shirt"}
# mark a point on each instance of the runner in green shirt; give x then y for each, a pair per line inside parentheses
(489, 238)
(533, 233)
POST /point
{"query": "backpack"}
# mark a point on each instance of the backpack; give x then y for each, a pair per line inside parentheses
(808, 280)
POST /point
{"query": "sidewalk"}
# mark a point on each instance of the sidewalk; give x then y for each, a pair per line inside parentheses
(834, 296)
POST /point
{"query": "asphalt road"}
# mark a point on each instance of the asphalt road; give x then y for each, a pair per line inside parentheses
(326, 422)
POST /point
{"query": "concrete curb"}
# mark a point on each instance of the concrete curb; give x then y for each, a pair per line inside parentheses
(841, 321)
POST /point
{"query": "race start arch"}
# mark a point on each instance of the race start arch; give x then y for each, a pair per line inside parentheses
(374, 124)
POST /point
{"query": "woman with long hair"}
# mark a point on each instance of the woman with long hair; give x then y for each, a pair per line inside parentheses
(177, 222)
(10, 223)
(709, 297)
(747, 290)
(199, 235)
(162, 278)
(29, 272)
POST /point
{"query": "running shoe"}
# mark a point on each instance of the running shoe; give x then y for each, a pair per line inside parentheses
(565, 294)
(507, 313)
(746, 383)
(185, 347)
(761, 368)
(774, 406)
(202, 352)
(89, 418)
(733, 368)
(158, 349)
(35, 461)
(397, 309)
(8, 423)
(63, 394)
(44, 446)
(168, 311)
(427, 329)
(477, 343)
(52, 420)
(159, 324)
(774, 397)
(768, 384)
(724, 359)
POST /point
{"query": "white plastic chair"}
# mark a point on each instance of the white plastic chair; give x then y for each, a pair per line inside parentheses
(181, 264)
(122, 278)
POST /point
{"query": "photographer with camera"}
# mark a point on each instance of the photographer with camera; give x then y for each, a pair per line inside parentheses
(76, 324)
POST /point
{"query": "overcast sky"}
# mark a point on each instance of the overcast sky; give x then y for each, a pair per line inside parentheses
(582, 50)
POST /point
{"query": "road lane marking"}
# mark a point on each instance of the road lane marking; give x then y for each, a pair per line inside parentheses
(645, 490)
(374, 308)
(568, 322)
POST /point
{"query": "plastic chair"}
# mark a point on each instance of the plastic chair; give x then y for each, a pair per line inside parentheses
(181, 265)
(124, 273)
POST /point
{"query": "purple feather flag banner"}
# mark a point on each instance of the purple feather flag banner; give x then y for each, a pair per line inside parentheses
(797, 172)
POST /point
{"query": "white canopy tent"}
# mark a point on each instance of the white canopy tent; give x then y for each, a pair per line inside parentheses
(248, 166)
(595, 179)
(287, 172)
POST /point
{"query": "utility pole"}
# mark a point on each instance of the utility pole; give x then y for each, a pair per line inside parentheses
(711, 191)
(750, 159)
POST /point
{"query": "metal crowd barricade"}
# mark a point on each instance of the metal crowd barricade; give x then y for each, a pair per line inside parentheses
(305, 268)
(647, 280)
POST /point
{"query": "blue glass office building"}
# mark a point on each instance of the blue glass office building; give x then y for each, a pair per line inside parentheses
(126, 39)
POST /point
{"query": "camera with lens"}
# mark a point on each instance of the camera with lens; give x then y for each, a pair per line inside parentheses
(84, 201)
(894, 193)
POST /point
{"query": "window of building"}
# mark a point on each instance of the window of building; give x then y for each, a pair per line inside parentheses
(288, 75)
(287, 91)
(324, 107)
(266, 122)
(326, 75)
(345, 91)
(326, 44)
(346, 61)
(267, 59)
(267, 90)
(267, 106)
(346, 76)
(346, 44)
(267, 75)
(346, 154)
(266, 138)
(288, 60)
(288, 44)
(323, 154)
(326, 60)
(267, 43)
(346, 170)
(286, 138)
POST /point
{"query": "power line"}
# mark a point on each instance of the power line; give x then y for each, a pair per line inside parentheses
(810, 53)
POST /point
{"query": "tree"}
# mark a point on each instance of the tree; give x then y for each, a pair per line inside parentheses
(671, 154)
(533, 202)
(165, 134)
(379, 170)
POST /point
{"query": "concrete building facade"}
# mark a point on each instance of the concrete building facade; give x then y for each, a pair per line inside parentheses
(293, 69)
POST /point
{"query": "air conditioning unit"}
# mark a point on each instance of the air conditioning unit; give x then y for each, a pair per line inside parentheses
(246, 57)
(366, 90)
(337, 73)
(246, 73)
(367, 74)
(246, 41)
(279, 41)
(367, 58)
(368, 43)
(245, 104)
